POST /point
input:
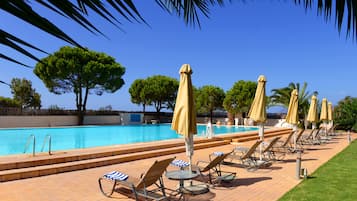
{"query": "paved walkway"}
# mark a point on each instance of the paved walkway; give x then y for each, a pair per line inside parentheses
(264, 184)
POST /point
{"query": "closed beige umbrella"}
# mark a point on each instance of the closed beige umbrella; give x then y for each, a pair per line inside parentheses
(324, 114)
(330, 114)
(312, 114)
(292, 116)
(257, 111)
(329, 111)
(184, 118)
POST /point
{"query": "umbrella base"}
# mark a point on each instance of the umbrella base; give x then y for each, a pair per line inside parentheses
(195, 188)
(263, 163)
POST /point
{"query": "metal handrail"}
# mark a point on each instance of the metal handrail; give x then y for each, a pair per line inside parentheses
(33, 138)
(47, 138)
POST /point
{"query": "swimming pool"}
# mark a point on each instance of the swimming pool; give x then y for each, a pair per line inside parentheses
(13, 141)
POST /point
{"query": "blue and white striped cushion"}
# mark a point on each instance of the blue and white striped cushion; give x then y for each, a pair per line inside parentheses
(180, 163)
(218, 153)
(115, 175)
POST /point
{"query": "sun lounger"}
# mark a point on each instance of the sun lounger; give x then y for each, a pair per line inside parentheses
(213, 170)
(268, 151)
(310, 139)
(284, 146)
(153, 176)
(247, 157)
(299, 146)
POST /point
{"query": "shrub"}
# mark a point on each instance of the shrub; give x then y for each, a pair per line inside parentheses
(345, 114)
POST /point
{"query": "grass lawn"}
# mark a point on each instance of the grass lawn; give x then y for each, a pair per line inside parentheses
(335, 180)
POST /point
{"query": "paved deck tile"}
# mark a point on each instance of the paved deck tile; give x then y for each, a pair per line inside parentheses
(261, 185)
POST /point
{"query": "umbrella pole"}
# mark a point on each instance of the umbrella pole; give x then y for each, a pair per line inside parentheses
(261, 135)
(313, 125)
(189, 150)
(190, 161)
(294, 129)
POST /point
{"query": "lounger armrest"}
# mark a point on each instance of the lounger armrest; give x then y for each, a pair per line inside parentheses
(198, 162)
(126, 183)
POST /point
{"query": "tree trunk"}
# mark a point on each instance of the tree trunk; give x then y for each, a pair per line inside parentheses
(82, 106)
(85, 100)
(211, 116)
(79, 109)
(158, 108)
(80, 117)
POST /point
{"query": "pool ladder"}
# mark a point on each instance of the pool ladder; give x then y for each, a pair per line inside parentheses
(29, 139)
(32, 139)
(47, 139)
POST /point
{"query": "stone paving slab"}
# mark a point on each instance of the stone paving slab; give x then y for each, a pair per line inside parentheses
(264, 184)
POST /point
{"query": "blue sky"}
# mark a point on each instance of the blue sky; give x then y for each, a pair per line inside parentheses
(240, 41)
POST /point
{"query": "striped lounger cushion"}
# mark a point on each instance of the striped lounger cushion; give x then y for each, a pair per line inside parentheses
(180, 163)
(218, 153)
(115, 175)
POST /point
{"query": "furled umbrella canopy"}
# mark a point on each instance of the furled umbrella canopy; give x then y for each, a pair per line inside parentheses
(312, 114)
(292, 115)
(324, 114)
(329, 111)
(184, 119)
(257, 111)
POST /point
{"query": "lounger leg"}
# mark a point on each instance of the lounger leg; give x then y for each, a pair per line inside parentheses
(135, 194)
(101, 188)
(162, 186)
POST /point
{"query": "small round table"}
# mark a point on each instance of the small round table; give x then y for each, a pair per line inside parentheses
(181, 176)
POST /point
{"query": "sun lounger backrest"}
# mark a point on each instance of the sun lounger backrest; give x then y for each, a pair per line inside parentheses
(287, 140)
(311, 134)
(331, 129)
(213, 163)
(317, 133)
(299, 135)
(271, 144)
(153, 173)
(251, 150)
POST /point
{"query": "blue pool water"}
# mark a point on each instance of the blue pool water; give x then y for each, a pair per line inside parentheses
(13, 141)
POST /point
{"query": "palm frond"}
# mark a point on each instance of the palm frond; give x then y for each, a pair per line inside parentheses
(65, 8)
(325, 7)
(13, 60)
(189, 10)
(12, 42)
(22, 10)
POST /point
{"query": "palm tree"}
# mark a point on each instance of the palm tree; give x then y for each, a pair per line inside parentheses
(281, 97)
(189, 10)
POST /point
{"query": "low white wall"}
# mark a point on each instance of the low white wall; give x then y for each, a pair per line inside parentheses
(55, 120)
(131, 118)
(71, 120)
(37, 121)
(102, 119)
